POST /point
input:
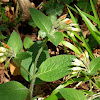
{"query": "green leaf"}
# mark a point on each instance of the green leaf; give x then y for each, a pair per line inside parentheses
(42, 34)
(56, 10)
(27, 42)
(54, 97)
(53, 18)
(90, 26)
(31, 23)
(13, 91)
(55, 67)
(71, 46)
(85, 5)
(41, 20)
(22, 56)
(56, 37)
(72, 94)
(15, 42)
(2, 28)
(94, 65)
(2, 37)
(28, 63)
(94, 10)
(55, 91)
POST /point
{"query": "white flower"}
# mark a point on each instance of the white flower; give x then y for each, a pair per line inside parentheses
(76, 68)
(74, 72)
(73, 29)
(2, 49)
(86, 54)
(1, 54)
(77, 62)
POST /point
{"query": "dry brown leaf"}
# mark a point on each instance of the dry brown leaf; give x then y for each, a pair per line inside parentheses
(14, 69)
(26, 4)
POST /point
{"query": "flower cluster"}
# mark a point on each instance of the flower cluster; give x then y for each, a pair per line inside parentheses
(5, 52)
(82, 63)
(65, 24)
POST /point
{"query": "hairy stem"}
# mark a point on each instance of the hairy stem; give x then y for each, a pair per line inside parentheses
(34, 76)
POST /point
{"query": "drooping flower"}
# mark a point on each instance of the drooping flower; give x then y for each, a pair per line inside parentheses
(66, 24)
(77, 62)
(76, 68)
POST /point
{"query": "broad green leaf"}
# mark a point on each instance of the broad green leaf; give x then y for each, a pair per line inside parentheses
(71, 46)
(27, 42)
(13, 91)
(55, 67)
(28, 63)
(15, 42)
(22, 55)
(56, 37)
(41, 20)
(72, 94)
(94, 65)
(54, 97)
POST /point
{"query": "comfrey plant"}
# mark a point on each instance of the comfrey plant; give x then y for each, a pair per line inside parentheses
(36, 63)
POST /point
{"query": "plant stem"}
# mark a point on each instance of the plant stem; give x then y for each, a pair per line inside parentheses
(26, 71)
(34, 76)
(91, 89)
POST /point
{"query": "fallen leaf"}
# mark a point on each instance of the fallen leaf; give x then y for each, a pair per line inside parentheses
(14, 69)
